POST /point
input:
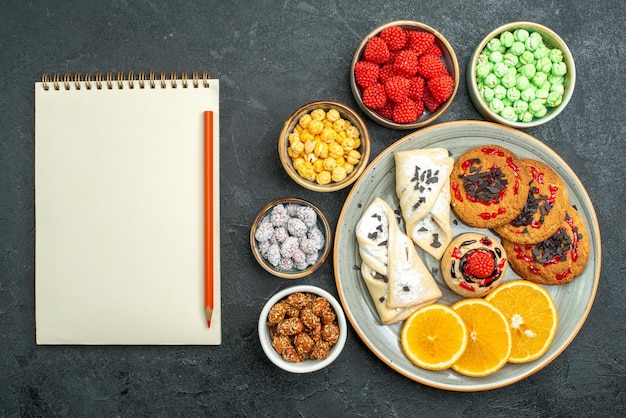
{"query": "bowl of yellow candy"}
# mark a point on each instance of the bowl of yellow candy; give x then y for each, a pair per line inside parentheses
(324, 146)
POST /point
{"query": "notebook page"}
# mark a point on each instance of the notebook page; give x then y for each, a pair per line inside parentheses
(119, 216)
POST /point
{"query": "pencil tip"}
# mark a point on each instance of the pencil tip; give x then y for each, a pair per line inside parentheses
(209, 315)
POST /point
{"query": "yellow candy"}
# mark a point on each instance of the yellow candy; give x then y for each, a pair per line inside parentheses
(315, 126)
(330, 164)
(297, 148)
(306, 171)
(298, 162)
(339, 173)
(353, 157)
(309, 146)
(293, 137)
(335, 150)
(323, 146)
(333, 115)
(318, 165)
(323, 178)
(352, 132)
(347, 144)
(328, 135)
(321, 149)
(305, 120)
(339, 125)
(318, 114)
(306, 136)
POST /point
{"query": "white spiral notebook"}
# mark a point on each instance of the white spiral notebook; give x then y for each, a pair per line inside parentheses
(119, 209)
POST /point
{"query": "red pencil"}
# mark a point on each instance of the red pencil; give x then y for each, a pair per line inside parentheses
(208, 215)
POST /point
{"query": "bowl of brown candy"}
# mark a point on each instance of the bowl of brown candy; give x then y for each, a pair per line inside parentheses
(302, 329)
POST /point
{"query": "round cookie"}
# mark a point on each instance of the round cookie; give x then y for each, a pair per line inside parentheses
(556, 260)
(544, 209)
(473, 264)
(488, 186)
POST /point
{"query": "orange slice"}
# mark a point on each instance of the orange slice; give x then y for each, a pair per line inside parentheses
(434, 337)
(531, 314)
(489, 338)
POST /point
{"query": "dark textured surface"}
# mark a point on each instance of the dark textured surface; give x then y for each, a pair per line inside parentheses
(272, 57)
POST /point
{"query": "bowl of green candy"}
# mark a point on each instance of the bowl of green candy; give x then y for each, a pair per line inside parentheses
(522, 75)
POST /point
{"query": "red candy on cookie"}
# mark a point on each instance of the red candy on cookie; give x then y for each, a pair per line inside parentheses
(473, 264)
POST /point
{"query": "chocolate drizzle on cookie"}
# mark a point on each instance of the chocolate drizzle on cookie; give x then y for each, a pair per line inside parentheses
(485, 186)
(534, 203)
(554, 249)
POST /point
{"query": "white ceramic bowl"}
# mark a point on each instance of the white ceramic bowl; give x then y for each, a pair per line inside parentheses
(305, 366)
(551, 40)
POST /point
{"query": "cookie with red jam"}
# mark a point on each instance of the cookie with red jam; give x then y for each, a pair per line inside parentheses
(489, 187)
(557, 260)
(473, 264)
(544, 209)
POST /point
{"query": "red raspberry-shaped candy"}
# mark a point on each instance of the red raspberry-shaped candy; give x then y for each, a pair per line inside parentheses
(385, 72)
(376, 51)
(479, 264)
(420, 41)
(429, 66)
(405, 112)
(395, 37)
(397, 88)
(374, 96)
(429, 101)
(405, 63)
(419, 108)
(387, 110)
(366, 73)
(416, 88)
(434, 50)
(441, 87)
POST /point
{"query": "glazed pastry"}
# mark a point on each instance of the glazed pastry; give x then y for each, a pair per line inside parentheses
(423, 187)
(396, 277)
(545, 206)
(556, 260)
(473, 264)
(489, 187)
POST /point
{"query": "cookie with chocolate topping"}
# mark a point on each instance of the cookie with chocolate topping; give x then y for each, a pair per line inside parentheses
(544, 209)
(488, 186)
(556, 260)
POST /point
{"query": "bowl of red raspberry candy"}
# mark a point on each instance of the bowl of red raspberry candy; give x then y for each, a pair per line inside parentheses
(404, 74)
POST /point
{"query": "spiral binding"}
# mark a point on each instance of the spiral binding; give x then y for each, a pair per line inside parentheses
(122, 80)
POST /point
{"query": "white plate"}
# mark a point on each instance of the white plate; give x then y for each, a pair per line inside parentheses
(573, 300)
